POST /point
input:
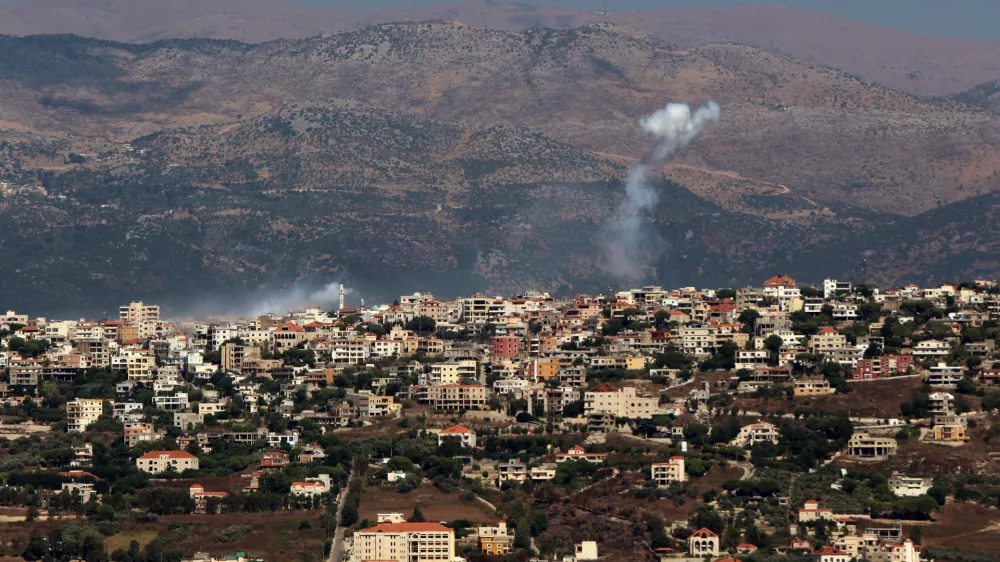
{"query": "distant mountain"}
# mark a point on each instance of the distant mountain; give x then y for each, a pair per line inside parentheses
(906, 61)
(446, 157)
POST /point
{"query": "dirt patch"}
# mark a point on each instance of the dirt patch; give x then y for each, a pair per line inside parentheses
(867, 399)
(964, 526)
(435, 504)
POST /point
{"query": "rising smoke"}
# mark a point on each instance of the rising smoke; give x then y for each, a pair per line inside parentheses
(673, 128)
(296, 297)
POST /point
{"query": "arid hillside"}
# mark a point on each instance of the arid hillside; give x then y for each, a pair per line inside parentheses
(467, 159)
(824, 134)
(920, 64)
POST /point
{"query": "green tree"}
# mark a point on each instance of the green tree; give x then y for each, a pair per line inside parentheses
(417, 516)
(522, 534)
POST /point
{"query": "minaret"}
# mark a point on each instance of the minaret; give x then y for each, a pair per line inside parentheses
(341, 297)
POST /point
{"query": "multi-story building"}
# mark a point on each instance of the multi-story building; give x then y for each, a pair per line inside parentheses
(234, 355)
(155, 462)
(909, 486)
(505, 347)
(138, 312)
(755, 433)
(619, 401)
(379, 407)
(82, 412)
(456, 433)
(702, 543)
(404, 542)
(752, 358)
(863, 446)
(812, 387)
(463, 396)
(663, 473)
(451, 372)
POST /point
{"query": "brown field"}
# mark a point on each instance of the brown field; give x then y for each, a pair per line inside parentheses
(867, 399)
(927, 458)
(275, 536)
(964, 526)
(435, 504)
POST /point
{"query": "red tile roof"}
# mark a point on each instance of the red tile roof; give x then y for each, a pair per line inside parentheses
(703, 532)
(170, 454)
(407, 528)
(605, 387)
(457, 429)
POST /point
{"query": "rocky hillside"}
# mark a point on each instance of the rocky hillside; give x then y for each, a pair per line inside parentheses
(458, 158)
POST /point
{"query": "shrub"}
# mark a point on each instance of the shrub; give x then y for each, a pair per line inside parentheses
(233, 533)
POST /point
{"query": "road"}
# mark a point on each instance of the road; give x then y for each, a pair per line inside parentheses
(337, 550)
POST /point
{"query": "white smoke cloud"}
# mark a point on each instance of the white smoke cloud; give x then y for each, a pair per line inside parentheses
(673, 128)
(296, 297)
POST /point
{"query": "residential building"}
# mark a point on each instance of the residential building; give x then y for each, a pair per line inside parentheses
(811, 511)
(578, 453)
(274, 460)
(863, 446)
(755, 433)
(663, 473)
(155, 462)
(703, 543)
(379, 407)
(830, 554)
(909, 486)
(468, 395)
(404, 542)
(456, 433)
(82, 412)
(619, 401)
(138, 312)
(812, 387)
(586, 550)
(312, 486)
(505, 347)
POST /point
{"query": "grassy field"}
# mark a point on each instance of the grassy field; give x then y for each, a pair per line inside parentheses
(124, 539)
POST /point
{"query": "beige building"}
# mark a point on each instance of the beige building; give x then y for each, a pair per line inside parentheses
(404, 542)
(454, 396)
(452, 372)
(703, 543)
(234, 356)
(140, 366)
(754, 433)
(155, 462)
(138, 312)
(810, 387)
(863, 446)
(663, 473)
(82, 412)
(827, 340)
(379, 407)
(619, 401)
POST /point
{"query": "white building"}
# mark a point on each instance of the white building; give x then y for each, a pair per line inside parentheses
(671, 471)
(619, 401)
(755, 433)
(82, 412)
(909, 486)
(463, 435)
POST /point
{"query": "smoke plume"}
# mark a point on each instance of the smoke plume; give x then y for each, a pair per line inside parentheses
(672, 128)
(296, 297)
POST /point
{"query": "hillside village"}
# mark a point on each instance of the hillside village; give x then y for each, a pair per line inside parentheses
(777, 422)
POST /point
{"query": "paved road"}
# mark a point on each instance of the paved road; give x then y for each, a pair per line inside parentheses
(337, 550)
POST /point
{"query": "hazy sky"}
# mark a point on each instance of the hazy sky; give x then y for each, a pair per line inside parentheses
(975, 19)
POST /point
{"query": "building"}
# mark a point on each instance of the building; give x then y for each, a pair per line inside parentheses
(274, 460)
(663, 473)
(155, 462)
(505, 347)
(832, 288)
(577, 453)
(830, 554)
(468, 395)
(82, 412)
(811, 511)
(909, 486)
(496, 540)
(621, 402)
(379, 407)
(312, 486)
(812, 387)
(703, 543)
(235, 355)
(940, 403)
(457, 433)
(586, 550)
(754, 433)
(201, 497)
(750, 359)
(138, 312)
(404, 542)
(863, 446)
